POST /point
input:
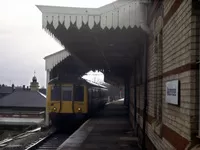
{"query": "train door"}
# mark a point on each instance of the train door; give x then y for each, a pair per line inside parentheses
(61, 97)
(67, 97)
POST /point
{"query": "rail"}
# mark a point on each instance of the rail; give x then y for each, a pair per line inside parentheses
(52, 141)
(25, 133)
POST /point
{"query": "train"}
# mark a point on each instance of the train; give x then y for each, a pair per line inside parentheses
(72, 100)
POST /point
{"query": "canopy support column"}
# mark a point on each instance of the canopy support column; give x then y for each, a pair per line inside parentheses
(46, 111)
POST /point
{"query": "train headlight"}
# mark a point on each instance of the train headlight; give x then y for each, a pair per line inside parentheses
(79, 109)
(54, 109)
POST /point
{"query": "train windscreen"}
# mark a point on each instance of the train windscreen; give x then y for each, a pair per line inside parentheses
(67, 93)
(56, 93)
(79, 93)
(63, 93)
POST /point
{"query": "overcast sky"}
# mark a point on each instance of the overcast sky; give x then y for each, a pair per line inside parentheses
(23, 43)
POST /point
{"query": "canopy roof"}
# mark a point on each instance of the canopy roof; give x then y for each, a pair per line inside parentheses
(126, 13)
(108, 38)
(62, 63)
(52, 60)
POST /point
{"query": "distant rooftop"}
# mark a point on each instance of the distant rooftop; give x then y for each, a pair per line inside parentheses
(5, 89)
(24, 98)
(43, 91)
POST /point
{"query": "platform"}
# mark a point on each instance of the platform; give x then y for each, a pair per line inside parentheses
(108, 130)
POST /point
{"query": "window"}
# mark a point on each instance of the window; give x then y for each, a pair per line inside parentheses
(78, 93)
(93, 93)
(66, 93)
(56, 93)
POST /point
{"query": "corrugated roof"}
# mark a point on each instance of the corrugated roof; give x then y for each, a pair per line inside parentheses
(23, 99)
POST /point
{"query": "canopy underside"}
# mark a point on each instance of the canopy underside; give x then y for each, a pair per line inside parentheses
(109, 38)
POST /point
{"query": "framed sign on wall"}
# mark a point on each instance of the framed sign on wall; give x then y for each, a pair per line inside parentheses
(172, 92)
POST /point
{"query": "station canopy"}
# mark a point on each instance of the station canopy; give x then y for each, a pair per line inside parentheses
(108, 38)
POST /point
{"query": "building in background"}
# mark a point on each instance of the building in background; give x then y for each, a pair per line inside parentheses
(25, 106)
(43, 91)
(34, 85)
(5, 90)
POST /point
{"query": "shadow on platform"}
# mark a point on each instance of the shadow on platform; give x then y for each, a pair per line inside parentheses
(109, 129)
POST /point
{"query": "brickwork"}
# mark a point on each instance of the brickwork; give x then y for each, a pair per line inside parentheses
(141, 97)
(177, 33)
(179, 48)
(151, 61)
(167, 5)
(151, 99)
(160, 144)
(183, 119)
(172, 126)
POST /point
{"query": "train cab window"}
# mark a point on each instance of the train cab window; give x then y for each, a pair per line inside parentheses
(79, 93)
(66, 93)
(56, 93)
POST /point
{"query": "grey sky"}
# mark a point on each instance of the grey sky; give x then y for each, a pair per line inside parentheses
(23, 43)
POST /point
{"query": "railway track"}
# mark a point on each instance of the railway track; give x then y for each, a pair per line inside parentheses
(6, 141)
(54, 139)
(40, 139)
(50, 142)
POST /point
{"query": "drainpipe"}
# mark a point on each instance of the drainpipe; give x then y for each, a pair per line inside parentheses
(145, 93)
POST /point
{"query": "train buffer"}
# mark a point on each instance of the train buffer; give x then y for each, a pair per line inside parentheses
(108, 130)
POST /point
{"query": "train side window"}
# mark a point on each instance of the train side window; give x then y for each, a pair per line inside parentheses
(56, 93)
(93, 93)
(99, 91)
(79, 93)
(66, 93)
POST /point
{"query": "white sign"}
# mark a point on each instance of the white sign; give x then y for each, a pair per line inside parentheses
(172, 92)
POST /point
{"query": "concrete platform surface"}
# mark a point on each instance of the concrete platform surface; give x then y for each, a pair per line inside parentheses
(108, 130)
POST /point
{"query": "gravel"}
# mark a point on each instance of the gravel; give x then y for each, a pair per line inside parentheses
(7, 134)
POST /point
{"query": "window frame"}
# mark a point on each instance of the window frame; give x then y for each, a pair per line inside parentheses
(67, 86)
(52, 88)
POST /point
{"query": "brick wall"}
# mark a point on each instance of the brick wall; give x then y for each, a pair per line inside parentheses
(177, 38)
(182, 118)
(178, 125)
(167, 5)
(179, 49)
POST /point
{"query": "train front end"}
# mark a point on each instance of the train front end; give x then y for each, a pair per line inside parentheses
(67, 103)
